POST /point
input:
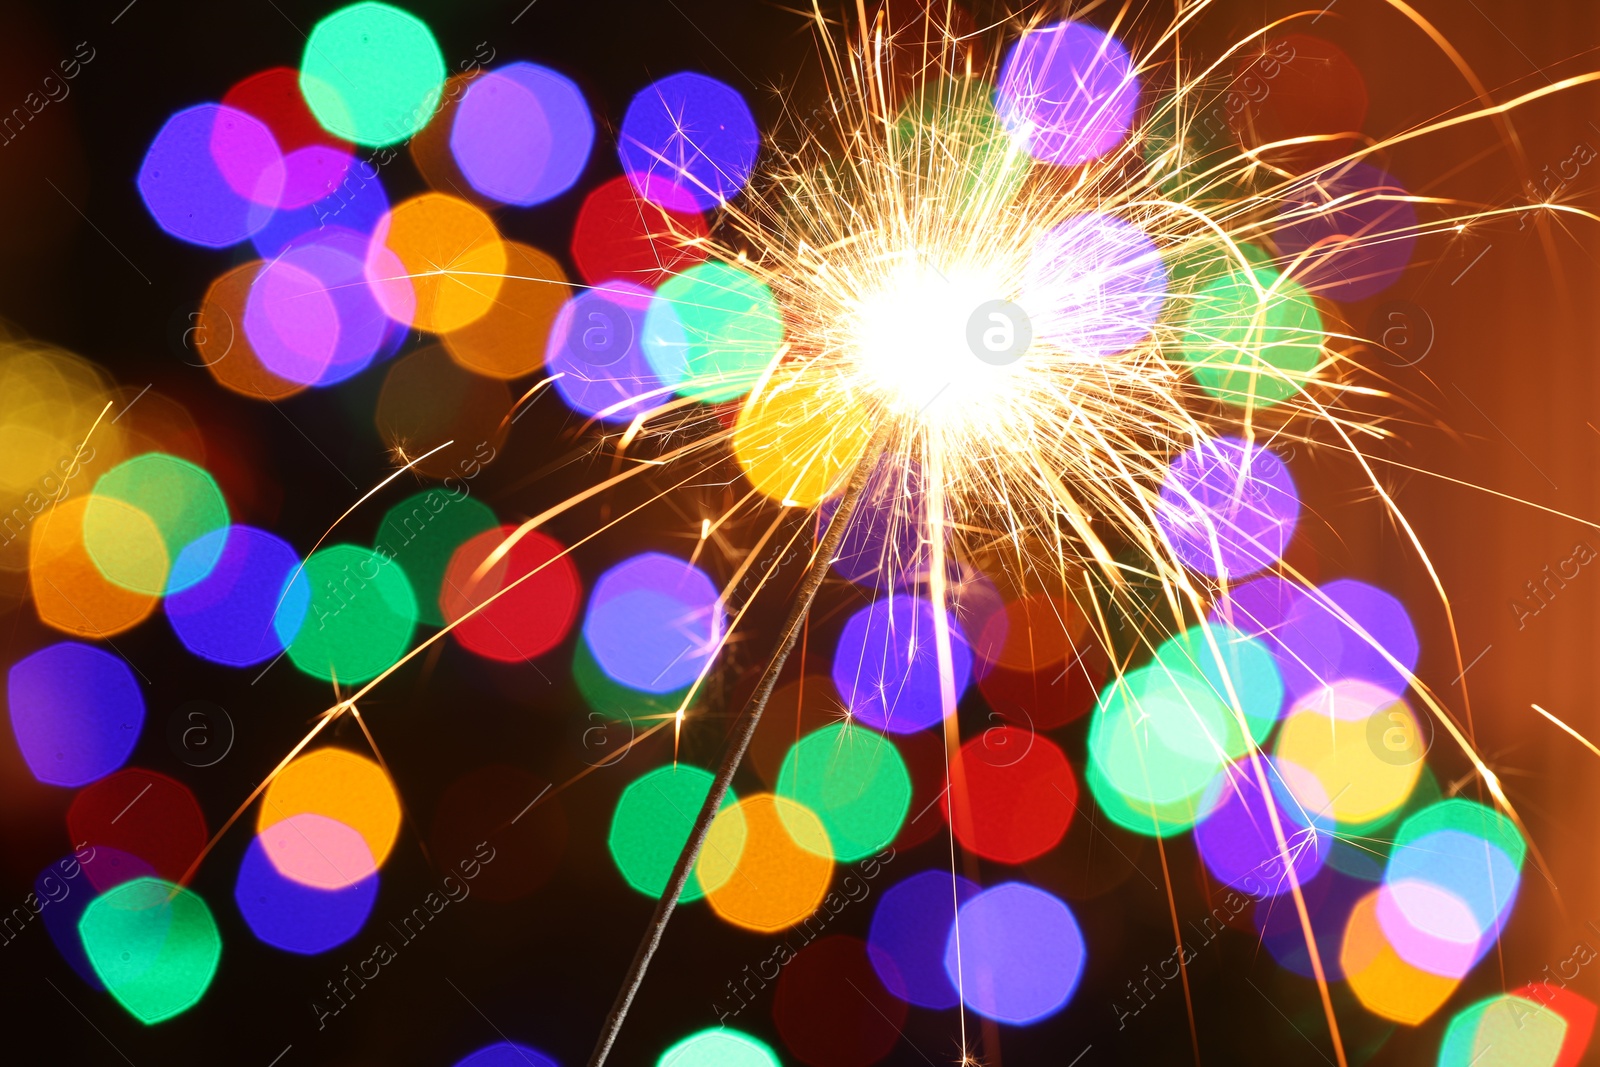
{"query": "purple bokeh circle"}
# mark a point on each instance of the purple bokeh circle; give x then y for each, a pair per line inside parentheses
(1095, 285)
(522, 134)
(594, 355)
(1236, 837)
(1360, 238)
(688, 142)
(909, 929)
(1019, 953)
(1067, 93)
(1317, 646)
(212, 176)
(1228, 508)
(886, 665)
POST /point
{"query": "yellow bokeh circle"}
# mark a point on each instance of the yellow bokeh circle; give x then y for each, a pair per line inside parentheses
(436, 263)
(337, 784)
(799, 434)
(766, 863)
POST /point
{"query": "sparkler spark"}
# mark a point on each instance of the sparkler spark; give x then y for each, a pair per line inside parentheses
(1033, 319)
(1035, 343)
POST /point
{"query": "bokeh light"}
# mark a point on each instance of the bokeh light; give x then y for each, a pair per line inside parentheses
(651, 824)
(332, 794)
(621, 236)
(1503, 1031)
(711, 331)
(76, 711)
(236, 615)
(797, 439)
(1357, 249)
(1253, 338)
(950, 124)
(1012, 795)
(310, 317)
(430, 405)
(612, 700)
(1343, 630)
(219, 339)
(144, 815)
(1382, 982)
(314, 162)
(910, 926)
(522, 606)
(1156, 742)
(509, 341)
(154, 945)
(886, 665)
(1329, 898)
(885, 544)
(356, 204)
(212, 176)
(522, 134)
(852, 779)
(436, 263)
(372, 74)
(69, 592)
(359, 618)
(507, 1054)
(1240, 670)
(318, 852)
(595, 358)
(688, 142)
(144, 516)
(1314, 112)
(653, 622)
(296, 917)
(1015, 953)
(1262, 840)
(422, 533)
(722, 1047)
(1332, 736)
(1451, 881)
(68, 898)
(1067, 93)
(765, 865)
(1228, 508)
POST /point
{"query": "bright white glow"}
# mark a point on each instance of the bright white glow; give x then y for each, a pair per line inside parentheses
(911, 338)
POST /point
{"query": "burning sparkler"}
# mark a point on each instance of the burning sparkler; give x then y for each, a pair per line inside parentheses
(1019, 311)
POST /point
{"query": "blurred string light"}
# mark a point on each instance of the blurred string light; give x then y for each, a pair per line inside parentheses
(506, 1054)
(336, 816)
(522, 134)
(1252, 729)
(767, 863)
(291, 915)
(153, 944)
(164, 833)
(723, 1047)
(652, 821)
(76, 711)
(830, 1008)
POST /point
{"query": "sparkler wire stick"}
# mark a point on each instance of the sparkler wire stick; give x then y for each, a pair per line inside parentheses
(738, 743)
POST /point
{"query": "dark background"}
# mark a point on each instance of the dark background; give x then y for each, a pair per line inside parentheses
(1506, 402)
